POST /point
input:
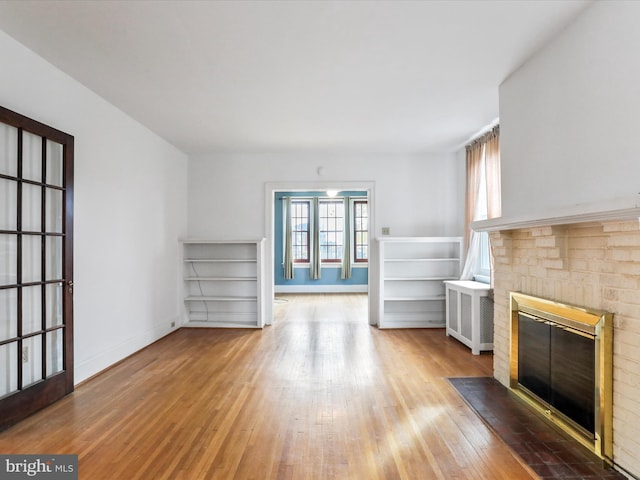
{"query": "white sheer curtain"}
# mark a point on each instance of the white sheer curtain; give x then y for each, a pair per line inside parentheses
(473, 250)
(346, 247)
(483, 196)
(288, 247)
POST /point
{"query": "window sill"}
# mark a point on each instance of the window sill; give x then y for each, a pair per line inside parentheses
(482, 278)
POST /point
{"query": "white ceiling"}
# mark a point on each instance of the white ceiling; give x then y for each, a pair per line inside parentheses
(257, 76)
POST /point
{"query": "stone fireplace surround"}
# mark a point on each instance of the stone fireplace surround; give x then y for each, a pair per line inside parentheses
(587, 255)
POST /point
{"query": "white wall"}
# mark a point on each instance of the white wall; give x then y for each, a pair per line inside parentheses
(414, 195)
(130, 204)
(569, 116)
(569, 135)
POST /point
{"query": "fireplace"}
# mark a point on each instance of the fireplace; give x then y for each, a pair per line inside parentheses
(561, 364)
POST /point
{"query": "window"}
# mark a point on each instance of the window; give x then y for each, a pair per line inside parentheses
(300, 237)
(360, 231)
(483, 201)
(331, 230)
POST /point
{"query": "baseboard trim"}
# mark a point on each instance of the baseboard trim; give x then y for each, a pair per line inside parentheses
(103, 361)
(321, 288)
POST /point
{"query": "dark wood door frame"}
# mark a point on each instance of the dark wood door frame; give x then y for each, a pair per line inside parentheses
(18, 404)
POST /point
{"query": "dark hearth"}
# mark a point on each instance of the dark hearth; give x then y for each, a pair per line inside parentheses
(551, 453)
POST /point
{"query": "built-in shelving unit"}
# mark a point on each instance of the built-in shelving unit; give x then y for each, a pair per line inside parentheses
(223, 283)
(412, 272)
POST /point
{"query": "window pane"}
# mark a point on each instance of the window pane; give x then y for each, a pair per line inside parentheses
(300, 230)
(361, 227)
(331, 228)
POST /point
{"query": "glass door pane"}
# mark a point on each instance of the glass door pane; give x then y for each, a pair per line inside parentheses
(8, 314)
(9, 200)
(53, 211)
(31, 258)
(31, 360)
(54, 352)
(31, 157)
(8, 368)
(53, 305)
(53, 256)
(55, 165)
(8, 263)
(31, 208)
(31, 309)
(8, 150)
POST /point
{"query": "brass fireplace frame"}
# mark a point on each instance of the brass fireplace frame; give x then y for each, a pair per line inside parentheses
(590, 323)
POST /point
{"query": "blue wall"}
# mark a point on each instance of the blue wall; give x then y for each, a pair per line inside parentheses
(330, 274)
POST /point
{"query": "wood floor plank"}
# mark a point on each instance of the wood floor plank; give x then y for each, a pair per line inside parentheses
(318, 395)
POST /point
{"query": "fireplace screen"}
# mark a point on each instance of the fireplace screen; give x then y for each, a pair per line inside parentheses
(558, 366)
(561, 359)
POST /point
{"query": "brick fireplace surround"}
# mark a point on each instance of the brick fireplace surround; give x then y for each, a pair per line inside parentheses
(594, 265)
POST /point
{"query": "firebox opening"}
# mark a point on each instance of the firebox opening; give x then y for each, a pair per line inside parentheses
(561, 359)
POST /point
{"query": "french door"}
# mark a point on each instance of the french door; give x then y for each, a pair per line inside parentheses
(36, 266)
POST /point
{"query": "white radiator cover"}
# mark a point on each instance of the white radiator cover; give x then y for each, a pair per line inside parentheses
(469, 314)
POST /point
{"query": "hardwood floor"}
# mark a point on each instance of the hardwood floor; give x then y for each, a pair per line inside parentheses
(318, 395)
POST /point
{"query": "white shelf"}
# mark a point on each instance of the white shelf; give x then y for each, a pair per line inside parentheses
(222, 279)
(413, 270)
(220, 260)
(418, 279)
(422, 260)
(220, 299)
(622, 208)
(413, 320)
(223, 283)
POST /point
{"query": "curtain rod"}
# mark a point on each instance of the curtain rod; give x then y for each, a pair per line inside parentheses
(325, 196)
(495, 130)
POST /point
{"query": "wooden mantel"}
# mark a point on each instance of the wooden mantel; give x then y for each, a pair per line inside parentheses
(624, 208)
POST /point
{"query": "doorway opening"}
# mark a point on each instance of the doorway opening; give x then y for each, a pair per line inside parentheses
(274, 193)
